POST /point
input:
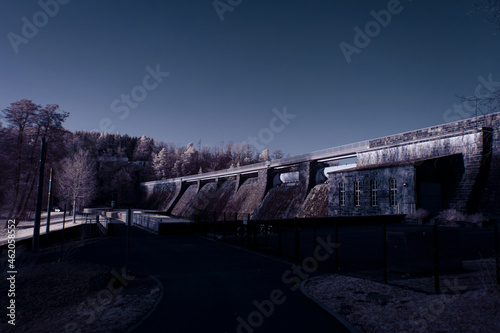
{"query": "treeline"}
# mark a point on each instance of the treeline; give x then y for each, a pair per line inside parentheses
(92, 168)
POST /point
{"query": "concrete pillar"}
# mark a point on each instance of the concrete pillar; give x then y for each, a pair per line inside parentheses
(181, 188)
(308, 171)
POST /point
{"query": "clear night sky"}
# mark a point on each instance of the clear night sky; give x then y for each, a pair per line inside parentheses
(226, 77)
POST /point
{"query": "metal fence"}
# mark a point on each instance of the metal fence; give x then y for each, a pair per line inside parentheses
(419, 257)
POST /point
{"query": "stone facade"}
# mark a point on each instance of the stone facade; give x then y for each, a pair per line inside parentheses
(460, 160)
(468, 143)
(403, 203)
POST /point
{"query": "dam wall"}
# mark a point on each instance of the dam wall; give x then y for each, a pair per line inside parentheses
(161, 196)
(316, 203)
(217, 205)
(249, 195)
(449, 166)
(286, 200)
(183, 207)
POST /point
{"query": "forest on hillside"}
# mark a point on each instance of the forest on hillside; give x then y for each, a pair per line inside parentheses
(93, 168)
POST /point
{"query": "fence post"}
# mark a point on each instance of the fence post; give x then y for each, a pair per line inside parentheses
(129, 220)
(249, 234)
(497, 253)
(215, 228)
(254, 236)
(266, 226)
(385, 251)
(235, 232)
(296, 242)
(314, 235)
(279, 242)
(62, 234)
(224, 231)
(337, 266)
(437, 289)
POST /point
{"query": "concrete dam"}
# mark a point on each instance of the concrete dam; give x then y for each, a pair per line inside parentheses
(450, 166)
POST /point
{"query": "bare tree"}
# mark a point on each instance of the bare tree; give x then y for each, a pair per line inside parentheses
(491, 8)
(77, 179)
(277, 154)
(47, 124)
(5, 170)
(489, 102)
(482, 105)
(19, 117)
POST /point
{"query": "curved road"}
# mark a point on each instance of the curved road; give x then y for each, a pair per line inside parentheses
(212, 287)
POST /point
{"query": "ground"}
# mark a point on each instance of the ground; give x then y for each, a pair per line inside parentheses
(60, 294)
(63, 295)
(375, 307)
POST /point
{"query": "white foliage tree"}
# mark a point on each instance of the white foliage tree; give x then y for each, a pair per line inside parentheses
(77, 179)
(144, 149)
(160, 163)
(264, 155)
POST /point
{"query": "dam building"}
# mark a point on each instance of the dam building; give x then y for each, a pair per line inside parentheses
(450, 166)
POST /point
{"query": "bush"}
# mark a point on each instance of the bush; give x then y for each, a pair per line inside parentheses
(452, 215)
(418, 214)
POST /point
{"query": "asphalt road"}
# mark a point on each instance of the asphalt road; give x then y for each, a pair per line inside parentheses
(213, 287)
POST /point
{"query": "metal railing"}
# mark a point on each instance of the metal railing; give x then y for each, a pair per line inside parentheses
(420, 257)
(313, 156)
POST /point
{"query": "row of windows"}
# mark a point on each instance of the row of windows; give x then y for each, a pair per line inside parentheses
(393, 191)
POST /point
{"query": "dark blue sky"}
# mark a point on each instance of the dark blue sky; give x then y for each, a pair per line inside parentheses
(226, 77)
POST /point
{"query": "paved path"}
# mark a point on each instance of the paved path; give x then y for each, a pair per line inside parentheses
(207, 286)
(24, 229)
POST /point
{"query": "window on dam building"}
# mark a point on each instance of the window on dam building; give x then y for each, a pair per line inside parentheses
(373, 193)
(342, 194)
(393, 191)
(357, 194)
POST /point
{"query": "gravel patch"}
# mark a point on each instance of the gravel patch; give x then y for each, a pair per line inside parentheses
(377, 307)
(71, 296)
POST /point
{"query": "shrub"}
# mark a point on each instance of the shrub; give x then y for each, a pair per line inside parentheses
(418, 214)
(451, 215)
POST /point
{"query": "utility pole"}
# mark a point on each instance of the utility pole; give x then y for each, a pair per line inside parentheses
(62, 243)
(50, 202)
(38, 210)
(129, 222)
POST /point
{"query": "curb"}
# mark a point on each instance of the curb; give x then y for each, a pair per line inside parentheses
(155, 306)
(341, 319)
